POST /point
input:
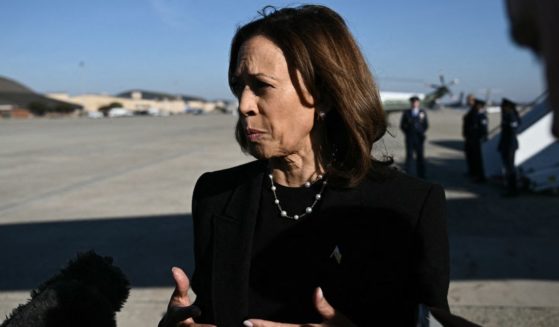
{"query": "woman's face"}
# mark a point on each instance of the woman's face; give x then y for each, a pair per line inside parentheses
(277, 122)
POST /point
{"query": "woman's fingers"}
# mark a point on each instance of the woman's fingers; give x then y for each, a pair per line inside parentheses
(266, 323)
(192, 324)
(322, 306)
(179, 311)
(180, 316)
(182, 284)
(176, 314)
(330, 315)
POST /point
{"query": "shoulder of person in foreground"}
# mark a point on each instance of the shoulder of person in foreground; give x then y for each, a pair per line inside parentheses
(421, 205)
(390, 188)
(216, 182)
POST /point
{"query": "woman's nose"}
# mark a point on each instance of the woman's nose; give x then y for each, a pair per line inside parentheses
(247, 103)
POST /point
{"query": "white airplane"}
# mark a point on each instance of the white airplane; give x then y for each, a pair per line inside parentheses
(399, 101)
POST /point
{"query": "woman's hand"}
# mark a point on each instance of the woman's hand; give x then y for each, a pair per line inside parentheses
(180, 311)
(331, 316)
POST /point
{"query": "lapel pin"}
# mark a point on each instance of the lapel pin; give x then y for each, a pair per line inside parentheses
(336, 254)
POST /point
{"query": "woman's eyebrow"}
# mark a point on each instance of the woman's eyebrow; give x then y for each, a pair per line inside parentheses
(240, 75)
(263, 75)
(254, 74)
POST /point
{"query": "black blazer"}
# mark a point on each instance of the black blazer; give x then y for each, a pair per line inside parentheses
(474, 127)
(508, 141)
(391, 231)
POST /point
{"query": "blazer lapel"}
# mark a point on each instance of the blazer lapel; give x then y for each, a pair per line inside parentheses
(233, 236)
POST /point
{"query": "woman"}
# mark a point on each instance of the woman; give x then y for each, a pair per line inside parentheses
(508, 143)
(314, 230)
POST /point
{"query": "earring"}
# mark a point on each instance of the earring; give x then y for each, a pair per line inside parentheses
(320, 116)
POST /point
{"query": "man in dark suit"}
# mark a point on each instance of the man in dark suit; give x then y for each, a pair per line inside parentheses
(470, 101)
(508, 143)
(414, 124)
(475, 130)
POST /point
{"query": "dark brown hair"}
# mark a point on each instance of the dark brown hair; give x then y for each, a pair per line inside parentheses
(317, 43)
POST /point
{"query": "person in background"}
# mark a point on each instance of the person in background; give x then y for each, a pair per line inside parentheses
(414, 124)
(508, 143)
(470, 101)
(475, 130)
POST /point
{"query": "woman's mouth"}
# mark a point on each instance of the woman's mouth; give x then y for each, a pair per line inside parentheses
(254, 134)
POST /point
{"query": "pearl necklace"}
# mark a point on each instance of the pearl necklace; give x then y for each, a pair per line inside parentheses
(308, 210)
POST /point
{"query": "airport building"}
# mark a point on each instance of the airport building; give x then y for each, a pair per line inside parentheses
(19, 101)
(140, 101)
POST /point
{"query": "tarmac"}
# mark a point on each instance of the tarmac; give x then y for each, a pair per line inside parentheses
(123, 187)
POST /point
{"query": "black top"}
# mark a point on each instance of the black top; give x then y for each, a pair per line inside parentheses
(283, 276)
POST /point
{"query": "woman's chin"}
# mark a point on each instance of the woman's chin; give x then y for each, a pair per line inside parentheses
(258, 151)
(262, 152)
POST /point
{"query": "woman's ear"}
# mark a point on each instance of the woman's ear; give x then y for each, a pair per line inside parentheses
(306, 97)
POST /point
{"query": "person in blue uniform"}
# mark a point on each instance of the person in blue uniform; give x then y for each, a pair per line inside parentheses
(414, 124)
(475, 130)
(470, 101)
(508, 143)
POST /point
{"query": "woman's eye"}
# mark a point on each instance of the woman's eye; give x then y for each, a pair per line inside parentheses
(237, 88)
(256, 86)
(259, 86)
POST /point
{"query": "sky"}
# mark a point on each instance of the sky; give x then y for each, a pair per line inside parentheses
(182, 46)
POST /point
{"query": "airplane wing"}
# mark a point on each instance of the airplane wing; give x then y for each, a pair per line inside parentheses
(397, 101)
